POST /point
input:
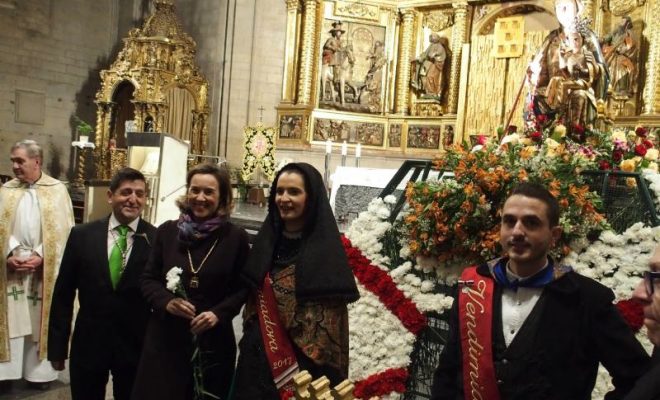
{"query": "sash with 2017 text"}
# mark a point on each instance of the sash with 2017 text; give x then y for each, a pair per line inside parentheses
(475, 319)
(279, 350)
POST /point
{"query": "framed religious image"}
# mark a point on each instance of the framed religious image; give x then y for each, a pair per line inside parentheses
(394, 137)
(352, 132)
(353, 66)
(291, 127)
(424, 137)
(448, 135)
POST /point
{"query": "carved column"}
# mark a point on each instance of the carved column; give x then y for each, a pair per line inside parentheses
(403, 64)
(651, 95)
(307, 54)
(458, 38)
(293, 9)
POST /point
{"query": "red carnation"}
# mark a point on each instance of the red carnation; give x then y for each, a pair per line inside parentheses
(632, 312)
(542, 118)
(640, 150)
(641, 131)
(386, 382)
(536, 136)
(617, 155)
(512, 129)
(578, 129)
(604, 165)
(482, 139)
(648, 144)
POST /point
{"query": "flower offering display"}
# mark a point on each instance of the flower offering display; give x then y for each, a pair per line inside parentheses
(458, 218)
(385, 320)
(454, 221)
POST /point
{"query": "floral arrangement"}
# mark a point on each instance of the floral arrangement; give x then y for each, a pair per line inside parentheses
(390, 310)
(398, 265)
(458, 218)
(628, 151)
(174, 285)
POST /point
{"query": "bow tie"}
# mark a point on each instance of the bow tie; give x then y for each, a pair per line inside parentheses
(538, 280)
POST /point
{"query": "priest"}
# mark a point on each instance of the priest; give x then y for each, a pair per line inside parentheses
(37, 216)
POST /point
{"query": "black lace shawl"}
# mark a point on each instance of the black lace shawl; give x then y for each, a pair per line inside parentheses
(322, 271)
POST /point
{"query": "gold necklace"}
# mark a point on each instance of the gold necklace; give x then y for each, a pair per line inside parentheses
(194, 280)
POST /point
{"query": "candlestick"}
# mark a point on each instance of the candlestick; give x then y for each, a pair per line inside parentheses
(328, 146)
(344, 148)
(326, 174)
(358, 153)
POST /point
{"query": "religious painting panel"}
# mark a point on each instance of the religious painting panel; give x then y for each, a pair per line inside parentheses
(448, 135)
(353, 66)
(424, 137)
(352, 132)
(291, 127)
(394, 137)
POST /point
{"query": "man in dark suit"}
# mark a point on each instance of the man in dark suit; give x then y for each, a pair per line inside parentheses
(647, 293)
(103, 261)
(524, 327)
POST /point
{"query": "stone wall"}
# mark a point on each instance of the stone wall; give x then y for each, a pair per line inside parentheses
(52, 51)
(241, 53)
(50, 55)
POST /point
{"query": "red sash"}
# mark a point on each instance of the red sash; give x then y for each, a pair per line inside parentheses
(281, 358)
(475, 319)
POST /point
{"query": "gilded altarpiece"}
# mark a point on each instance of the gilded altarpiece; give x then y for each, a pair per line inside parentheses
(438, 79)
(156, 84)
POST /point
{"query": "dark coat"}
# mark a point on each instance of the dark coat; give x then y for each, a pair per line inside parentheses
(111, 322)
(575, 326)
(165, 370)
(648, 386)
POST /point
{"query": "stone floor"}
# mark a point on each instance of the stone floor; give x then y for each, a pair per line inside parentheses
(20, 390)
(60, 389)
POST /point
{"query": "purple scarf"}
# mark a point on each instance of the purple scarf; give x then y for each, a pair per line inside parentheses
(191, 231)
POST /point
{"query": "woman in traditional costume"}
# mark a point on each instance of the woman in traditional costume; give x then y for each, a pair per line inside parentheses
(296, 316)
(211, 252)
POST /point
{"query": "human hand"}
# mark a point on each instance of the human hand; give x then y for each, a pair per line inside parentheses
(203, 322)
(181, 308)
(24, 265)
(58, 365)
(33, 262)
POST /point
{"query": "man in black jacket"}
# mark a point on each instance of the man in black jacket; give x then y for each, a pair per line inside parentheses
(523, 327)
(103, 261)
(647, 293)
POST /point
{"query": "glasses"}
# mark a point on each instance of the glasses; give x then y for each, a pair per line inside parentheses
(649, 281)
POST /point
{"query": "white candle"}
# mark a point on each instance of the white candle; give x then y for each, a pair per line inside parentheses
(358, 150)
(344, 148)
(328, 146)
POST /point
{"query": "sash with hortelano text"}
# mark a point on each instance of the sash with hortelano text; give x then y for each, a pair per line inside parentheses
(475, 319)
(279, 350)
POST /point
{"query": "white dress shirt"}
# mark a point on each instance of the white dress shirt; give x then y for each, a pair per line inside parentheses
(114, 235)
(516, 306)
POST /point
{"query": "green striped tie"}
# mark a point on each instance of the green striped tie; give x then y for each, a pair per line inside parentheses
(116, 260)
